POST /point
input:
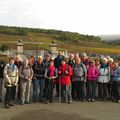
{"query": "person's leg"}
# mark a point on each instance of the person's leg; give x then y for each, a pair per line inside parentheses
(82, 86)
(35, 90)
(93, 90)
(7, 97)
(69, 94)
(63, 93)
(78, 89)
(28, 88)
(42, 86)
(19, 90)
(89, 90)
(105, 91)
(23, 90)
(51, 91)
(1, 85)
(118, 91)
(47, 96)
(13, 92)
(99, 90)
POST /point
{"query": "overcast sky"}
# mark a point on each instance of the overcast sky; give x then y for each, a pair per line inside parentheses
(93, 17)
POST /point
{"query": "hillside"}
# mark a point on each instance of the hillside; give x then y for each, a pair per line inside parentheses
(65, 40)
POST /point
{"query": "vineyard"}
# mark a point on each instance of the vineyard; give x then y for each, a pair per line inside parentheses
(62, 39)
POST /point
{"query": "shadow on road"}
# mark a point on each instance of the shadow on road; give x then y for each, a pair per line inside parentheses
(47, 115)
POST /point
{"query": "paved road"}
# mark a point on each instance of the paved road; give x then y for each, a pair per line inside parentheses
(74, 111)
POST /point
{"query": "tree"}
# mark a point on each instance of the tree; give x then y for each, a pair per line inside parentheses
(4, 48)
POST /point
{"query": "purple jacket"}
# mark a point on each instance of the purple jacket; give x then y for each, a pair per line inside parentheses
(92, 73)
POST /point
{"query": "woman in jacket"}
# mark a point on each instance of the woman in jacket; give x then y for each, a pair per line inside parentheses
(11, 80)
(39, 80)
(26, 74)
(50, 78)
(116, 82)
(64, 74)
(79, 79)
(92, 75)
(103, 80)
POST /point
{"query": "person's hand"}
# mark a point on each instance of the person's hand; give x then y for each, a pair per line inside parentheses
(26, 78)
(53, 77)
(66, 72)
(59, 72)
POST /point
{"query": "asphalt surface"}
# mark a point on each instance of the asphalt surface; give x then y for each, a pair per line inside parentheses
(62, 111)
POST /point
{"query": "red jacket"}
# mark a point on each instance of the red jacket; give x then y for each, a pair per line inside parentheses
(64, 79)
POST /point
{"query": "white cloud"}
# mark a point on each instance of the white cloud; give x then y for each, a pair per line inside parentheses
(83, 16)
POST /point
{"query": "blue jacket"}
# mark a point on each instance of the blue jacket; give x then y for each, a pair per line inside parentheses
(116, 74)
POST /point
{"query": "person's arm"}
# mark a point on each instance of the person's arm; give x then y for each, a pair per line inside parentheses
(85, 71)
(32, 73)
(20, 73)
(6, 78)
(46, 74)
(17, 76)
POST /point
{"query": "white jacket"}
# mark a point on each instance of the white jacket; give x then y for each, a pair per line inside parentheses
(104, 74)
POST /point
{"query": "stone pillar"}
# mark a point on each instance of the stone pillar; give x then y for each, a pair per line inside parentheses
(20, 49)
(53, 49)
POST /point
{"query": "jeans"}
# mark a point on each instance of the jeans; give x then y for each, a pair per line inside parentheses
(38, 89)
(91, 89)
(66, 93)
(80, 89)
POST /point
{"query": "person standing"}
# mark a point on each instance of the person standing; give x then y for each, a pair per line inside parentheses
(2, 65)
(116, 82)
(92, 75)
(71, 62)
(11, 80)
(26, 74)
(39, 80)
(57, 63)
(103, 80)
(18, 63)
(50, 78)
(64, 74)
(79, 78)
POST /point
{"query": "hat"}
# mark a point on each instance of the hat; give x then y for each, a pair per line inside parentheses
(48, 55)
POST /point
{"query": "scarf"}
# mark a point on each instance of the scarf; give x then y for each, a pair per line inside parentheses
(51, 70)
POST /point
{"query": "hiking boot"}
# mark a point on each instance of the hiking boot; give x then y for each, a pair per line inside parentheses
(7, 106)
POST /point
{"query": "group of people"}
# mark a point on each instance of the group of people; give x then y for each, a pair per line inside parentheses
(79, 78)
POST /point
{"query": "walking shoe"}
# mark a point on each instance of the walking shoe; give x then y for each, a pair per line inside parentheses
(92, 100)
(7, 106)
(88, 100)
(27, 102)
(83, 100)
(10, 104)
(22, 103)
(0, 100)
(47, 102)
(118, 101)
(70, 102)
(51, 101)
